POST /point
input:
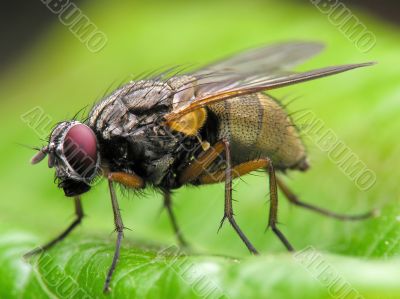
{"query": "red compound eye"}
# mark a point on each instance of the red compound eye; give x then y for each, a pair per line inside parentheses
(80, 149)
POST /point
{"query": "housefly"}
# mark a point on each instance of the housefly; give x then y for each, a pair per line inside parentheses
(195, 128)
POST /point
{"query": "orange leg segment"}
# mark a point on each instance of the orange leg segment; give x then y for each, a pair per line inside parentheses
(237, 171)
(200, 164)
(126, 179)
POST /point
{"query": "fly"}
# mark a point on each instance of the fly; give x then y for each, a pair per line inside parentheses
(203, 127)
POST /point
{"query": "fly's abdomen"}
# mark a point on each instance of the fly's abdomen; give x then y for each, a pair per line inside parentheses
(257, 126)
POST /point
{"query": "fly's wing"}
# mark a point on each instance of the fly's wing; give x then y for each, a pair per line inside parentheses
(263, 60)
(250, 72)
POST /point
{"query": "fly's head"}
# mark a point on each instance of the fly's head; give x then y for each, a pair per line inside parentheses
(73, 152)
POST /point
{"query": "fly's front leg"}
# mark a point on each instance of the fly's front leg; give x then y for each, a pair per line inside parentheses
(228, 210)
(295, 200)
(79, 215)
(130, 181)
(273, 210)
(119, 228)
(168, 206)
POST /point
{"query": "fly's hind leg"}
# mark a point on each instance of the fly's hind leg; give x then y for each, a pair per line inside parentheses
(295, 200)
(197, 171)
(273, 210)
(79, 215)
(168, 206)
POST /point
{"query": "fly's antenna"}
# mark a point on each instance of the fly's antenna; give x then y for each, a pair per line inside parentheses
(42, 153)
(31, 147)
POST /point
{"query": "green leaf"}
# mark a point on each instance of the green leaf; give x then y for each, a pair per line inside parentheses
(77, 269)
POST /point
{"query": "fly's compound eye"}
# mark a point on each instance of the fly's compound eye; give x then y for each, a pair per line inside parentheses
(80, 150)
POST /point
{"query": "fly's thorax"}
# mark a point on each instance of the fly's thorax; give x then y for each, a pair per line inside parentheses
(140, 103)
(131, 131)
(134, 105)
(152, 152)
(132, 135)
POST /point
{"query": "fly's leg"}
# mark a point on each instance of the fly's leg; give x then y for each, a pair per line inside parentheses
(273, 210)
(237, 171)
(79, 215)
(119, 228)
(294, 200)
(197, 170)
(131, 181)
(127, 179)
(201, 163)
(228, 210)
(168, 206)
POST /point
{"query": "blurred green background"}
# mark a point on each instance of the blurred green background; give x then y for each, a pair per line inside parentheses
(57, 73)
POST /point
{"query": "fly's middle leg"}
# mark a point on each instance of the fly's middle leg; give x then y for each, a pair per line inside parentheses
(168, 206)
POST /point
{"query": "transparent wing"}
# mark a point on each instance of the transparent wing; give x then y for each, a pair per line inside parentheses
(252, 71)
(264, 59)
